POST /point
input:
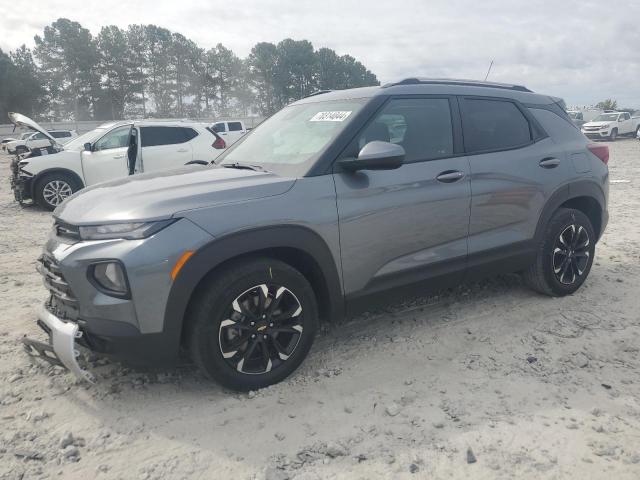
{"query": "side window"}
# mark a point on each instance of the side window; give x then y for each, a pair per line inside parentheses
(579, 116)
(60, 134)
(626, 116)
(422, 126)
(116, 138)
(219, 127)
(493, 125)
(154, 136)
(189, 133)
(38, 136)
(235, 126)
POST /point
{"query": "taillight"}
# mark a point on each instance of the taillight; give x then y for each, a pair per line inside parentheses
(600, 151)
(219, 144)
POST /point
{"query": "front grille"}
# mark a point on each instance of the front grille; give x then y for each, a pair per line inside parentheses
(62, 302)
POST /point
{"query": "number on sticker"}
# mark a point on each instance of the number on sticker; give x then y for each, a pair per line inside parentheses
(335, 116)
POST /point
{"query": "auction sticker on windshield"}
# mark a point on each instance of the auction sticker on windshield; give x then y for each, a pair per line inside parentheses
(335, 116)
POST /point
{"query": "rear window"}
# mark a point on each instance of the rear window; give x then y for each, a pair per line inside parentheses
(154, 136)
(235, 126)
(494, 125)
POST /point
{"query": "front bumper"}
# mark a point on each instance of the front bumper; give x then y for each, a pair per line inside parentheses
(129, 330)
(20, 183)
(61, 349)
(596, 134)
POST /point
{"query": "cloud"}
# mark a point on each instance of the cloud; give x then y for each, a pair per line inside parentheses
(568, 48)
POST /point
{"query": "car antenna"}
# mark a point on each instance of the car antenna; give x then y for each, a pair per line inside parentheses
(488, 71)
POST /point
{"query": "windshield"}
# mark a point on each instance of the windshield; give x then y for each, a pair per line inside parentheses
(24, 136)
(77, 144)
(293, 139)
(606, 117)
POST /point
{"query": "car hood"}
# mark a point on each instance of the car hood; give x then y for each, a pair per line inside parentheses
(597, 124)
(161, 195)
(20, 120)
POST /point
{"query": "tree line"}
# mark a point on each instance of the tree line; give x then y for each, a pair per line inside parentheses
(149, 71)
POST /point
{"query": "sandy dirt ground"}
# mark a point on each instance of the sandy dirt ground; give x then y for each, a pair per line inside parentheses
(489, 380)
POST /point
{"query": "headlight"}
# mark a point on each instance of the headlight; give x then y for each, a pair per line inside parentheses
(109, 278)
(604, 127)
(128, 231)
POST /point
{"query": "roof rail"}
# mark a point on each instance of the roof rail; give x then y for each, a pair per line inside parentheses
(452, 81)
(318, 92)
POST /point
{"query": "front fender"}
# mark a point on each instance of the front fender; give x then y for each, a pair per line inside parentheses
(256, 240)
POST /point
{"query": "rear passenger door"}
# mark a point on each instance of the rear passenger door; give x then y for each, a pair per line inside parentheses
(515, 167)
(165, 147)
(409, 224)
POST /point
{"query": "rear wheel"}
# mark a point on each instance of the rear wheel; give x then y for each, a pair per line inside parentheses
(53, 188)
(565, 256)
(253, 324)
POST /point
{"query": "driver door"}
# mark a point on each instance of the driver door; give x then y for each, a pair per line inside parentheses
(409, 224)
(107, 159)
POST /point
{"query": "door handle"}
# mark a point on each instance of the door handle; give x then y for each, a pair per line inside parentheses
(183, 150)
(119, 156)
(549, 162)
(450, 176)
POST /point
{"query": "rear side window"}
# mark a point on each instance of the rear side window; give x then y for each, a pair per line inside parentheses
(493, 125)
(154, 136)
(422, 126)
(189, 133)
(60, 134)
(235, 126)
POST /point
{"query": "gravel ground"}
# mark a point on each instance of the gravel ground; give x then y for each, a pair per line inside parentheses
(489, 380)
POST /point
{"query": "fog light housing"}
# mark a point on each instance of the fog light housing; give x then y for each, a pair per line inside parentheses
(110, 278)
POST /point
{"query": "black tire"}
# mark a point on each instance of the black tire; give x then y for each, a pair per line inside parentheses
(221, 318)
(613, 135)
(543, 275)
(67, 186)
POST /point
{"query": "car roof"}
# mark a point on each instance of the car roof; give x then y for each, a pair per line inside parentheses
(435, 86)
(150, 122)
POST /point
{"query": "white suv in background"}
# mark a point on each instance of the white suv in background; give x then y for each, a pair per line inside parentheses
(231, 130)
(111, 151)
(40, 140)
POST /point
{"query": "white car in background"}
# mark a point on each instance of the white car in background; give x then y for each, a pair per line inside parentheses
(610, 125)
(111, 151)
(22, 136)
(40, 140)
(231, 130)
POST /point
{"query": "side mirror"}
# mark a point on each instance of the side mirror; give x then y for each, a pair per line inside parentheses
(87, 146)
(375, 155)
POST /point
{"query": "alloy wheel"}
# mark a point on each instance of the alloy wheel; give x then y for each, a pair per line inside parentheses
(571, 254)
(56, 191)
(261, 329)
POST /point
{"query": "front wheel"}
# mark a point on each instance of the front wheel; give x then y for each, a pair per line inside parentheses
(565, 256)
(613, 135)
(253, 324)
(53, 188)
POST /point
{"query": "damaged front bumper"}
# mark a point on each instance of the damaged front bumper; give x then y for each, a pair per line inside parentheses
(21, 182)
(61, 349)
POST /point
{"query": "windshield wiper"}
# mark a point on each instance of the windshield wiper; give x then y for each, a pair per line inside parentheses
(245, 166)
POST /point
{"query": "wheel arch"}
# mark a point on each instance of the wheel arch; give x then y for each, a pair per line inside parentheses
(585, 195)
(65, 171)
(297, 246)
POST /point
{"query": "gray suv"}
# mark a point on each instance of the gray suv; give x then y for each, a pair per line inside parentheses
(333, 200)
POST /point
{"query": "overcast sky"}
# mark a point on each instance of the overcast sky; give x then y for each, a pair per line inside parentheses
(581, 50)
